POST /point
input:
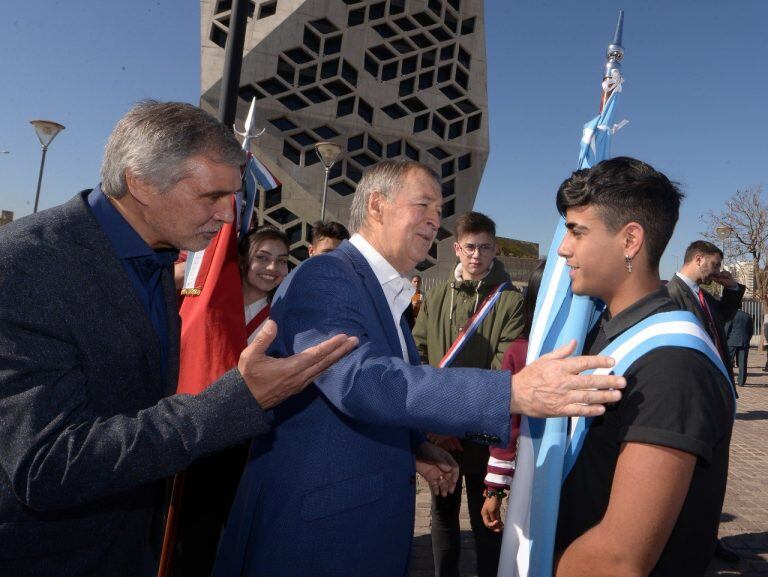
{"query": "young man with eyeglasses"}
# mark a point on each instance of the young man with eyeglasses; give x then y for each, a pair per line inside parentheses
(478, 283)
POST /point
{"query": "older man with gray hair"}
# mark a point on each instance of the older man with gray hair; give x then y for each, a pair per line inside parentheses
(331, 492)
(89, 352)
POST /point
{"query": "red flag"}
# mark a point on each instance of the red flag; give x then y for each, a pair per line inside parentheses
(212, 316)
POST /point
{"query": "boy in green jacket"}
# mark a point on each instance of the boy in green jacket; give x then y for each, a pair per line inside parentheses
(446, 311)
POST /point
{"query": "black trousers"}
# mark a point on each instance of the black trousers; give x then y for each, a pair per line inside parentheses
(446, 535)
(740, 354)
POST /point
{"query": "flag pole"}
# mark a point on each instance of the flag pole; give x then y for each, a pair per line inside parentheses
(547, 447)
(230, 82)
(614, 55)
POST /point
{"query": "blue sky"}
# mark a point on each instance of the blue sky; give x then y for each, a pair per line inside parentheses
(696, 94)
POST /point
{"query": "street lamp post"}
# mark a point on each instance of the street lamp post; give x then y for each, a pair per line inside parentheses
(328, 152)
(46, 131)
(723, 232)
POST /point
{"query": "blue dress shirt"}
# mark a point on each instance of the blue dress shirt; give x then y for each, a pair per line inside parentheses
(143, 265)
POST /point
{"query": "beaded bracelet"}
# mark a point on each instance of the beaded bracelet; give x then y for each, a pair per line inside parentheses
(488, 493)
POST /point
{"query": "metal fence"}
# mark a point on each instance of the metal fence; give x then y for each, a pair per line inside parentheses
(754, 308)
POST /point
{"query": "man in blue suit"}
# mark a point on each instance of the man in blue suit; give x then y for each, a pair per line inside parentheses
(330, 492)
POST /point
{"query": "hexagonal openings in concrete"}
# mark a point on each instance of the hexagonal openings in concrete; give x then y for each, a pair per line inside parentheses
(311, 73)
(298, 143)
(222, 12)
(419, 52)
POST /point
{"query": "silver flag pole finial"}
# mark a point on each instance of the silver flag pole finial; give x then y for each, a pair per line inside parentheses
(249, 132)
(615, 51)
(619, 29)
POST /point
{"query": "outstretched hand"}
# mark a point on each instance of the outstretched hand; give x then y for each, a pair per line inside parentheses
(552, 386)
(272, 380)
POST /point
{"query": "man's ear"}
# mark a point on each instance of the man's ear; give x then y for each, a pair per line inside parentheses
(633, 235)
(138, 188)
(375, 204)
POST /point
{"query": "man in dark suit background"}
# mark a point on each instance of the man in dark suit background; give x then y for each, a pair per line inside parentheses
(702, 264)
(89, 344)
(738, 332)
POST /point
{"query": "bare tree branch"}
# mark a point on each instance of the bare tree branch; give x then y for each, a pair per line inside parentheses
(746, 214)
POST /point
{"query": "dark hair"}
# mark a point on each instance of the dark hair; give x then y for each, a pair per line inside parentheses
(624, 190)
(473, 223)
(250, 242)
(329, 229)
(529, 297)
(700, 247)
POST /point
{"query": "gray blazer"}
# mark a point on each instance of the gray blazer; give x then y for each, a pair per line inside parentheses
(88, 430)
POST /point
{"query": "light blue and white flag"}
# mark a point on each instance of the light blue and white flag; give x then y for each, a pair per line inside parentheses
(561, 316)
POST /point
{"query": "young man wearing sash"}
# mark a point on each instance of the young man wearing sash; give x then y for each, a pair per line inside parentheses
(645, 492)
(469, 321)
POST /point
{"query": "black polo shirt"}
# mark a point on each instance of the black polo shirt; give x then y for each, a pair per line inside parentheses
(675, 397)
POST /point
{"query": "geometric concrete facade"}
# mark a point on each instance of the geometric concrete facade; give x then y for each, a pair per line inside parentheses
(383, 79)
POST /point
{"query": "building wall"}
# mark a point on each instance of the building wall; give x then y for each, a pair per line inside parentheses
(744, 273)
(383, 79)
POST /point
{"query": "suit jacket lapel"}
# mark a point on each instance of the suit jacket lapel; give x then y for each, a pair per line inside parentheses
(174, 331)
(692, 303)
(108, 274)
(413, 351)
(694, 306)
(714, 310)
(373, 287)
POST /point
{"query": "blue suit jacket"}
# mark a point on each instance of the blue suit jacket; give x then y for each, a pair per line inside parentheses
(330, 491)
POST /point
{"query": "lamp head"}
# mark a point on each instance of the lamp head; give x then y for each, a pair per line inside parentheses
(46, 130)
(328, 152)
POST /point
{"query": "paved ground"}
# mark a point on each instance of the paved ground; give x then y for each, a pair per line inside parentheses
(744, 526)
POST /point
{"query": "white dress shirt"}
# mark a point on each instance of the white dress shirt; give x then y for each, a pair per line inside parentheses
(397, 289)
(694, 286)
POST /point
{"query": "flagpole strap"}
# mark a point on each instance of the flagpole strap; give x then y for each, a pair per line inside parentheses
(472, 325)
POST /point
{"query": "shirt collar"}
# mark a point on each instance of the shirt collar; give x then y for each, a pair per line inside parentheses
(384, 271)
(694, 286)
(630, 316)
(122, 236)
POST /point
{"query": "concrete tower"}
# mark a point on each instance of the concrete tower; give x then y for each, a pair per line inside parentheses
(383, 79)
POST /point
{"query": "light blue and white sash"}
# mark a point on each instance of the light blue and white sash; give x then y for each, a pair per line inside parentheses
(547, 450)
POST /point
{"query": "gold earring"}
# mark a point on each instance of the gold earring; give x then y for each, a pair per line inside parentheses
(628, 261)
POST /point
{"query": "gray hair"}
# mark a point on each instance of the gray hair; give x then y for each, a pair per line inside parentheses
(155, 139)
(386, 178)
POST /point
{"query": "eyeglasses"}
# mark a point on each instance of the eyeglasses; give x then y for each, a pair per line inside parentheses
(265, 260)
(484, 249)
